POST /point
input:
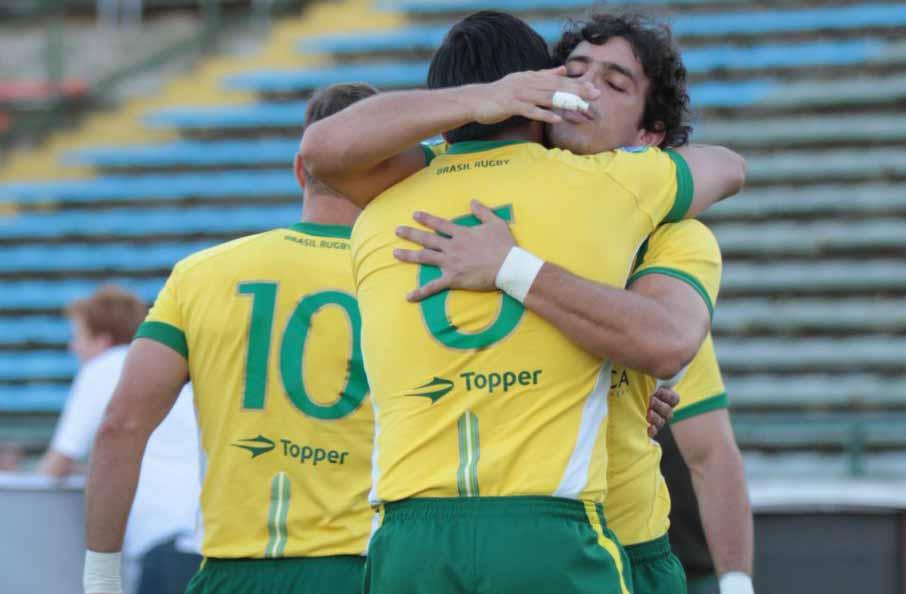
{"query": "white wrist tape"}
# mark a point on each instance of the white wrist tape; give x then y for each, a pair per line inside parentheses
(564, 100)
(102, 573)
(671, 382)
(736, 582)
(518, 272)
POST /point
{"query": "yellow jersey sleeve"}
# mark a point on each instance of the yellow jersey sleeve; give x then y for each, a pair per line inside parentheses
(660, 180)
(434, 148)
(702, 388)
(164, 322)
(687, 251)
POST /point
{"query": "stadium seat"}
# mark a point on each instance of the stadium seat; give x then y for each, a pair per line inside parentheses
(41, 329)
(36, 397)
(121, 222)
(36, 365)
(805, 238)
(188, 154)
(238, 117)
(426, 37)
(810, 277)
(432, 7)
(863, 353)
(396, 74)
(42, 295)
(803, 130)
(75, 258)
(815, 392)
(778, 201)
(789, 316)
(221, 184)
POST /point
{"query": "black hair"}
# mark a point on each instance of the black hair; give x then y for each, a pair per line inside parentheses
(482, 48)
(667, 103)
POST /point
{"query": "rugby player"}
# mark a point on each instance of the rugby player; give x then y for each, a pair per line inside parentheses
(633, 62)
(268, 329)
(479, 491)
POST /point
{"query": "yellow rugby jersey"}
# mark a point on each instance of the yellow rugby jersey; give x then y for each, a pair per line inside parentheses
(473, 394)
(270, 329)
(638, 504)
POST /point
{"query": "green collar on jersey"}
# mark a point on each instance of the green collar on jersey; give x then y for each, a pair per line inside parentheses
(323, 230)
(476, 146)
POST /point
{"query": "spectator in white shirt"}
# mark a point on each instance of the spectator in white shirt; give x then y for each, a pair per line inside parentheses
(167, 495)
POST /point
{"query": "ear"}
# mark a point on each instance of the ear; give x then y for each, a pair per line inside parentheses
(299, 170)
(652, 137)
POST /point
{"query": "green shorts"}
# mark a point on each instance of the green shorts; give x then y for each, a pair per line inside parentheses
(495, 545)
(655, 569)
(341, 574)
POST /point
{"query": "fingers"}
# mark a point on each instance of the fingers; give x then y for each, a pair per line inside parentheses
(655, 423)
(432, 288)
(667, 395)
(662, 409)
(540, 115)
(423, 238)
(430, 257)
(435, 223)
(482, 212)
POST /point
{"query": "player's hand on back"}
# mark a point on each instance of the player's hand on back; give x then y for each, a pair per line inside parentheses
(660, 409)
(468, 257)
(528, 94)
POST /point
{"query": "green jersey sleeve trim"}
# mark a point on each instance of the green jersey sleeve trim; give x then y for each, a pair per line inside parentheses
(680, 275)
(165, 334)
(685, 189)
(429, 154)
(715, 402)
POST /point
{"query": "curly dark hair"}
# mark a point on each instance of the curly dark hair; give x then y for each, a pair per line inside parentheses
(667, 104)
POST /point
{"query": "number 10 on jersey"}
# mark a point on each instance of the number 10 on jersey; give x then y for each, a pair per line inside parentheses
(292, 348)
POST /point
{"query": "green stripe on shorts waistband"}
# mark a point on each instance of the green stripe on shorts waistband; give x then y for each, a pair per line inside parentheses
(646, 551)
(430, 507)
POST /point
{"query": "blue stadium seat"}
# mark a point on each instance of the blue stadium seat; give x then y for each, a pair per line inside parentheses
(37, 364)
(124, 222)
(428, 7)
(187, 153)
(815, 391)
(46, 294)
(823, 315)
(42, 329)
(268, 115)
(173, 186)
(706, 25)
(699, 60)
(808, 277)
(36, 397)
(869, 199)
(87, 257)
(789, 238)
(862, 353)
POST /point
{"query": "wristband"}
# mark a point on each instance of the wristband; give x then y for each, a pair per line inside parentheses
(736, 582)
(518, 272)
(102, 573)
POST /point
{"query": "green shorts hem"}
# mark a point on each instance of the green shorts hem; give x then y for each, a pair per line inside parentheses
(655, 569)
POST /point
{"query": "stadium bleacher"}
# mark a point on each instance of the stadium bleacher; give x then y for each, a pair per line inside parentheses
(811, 327)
